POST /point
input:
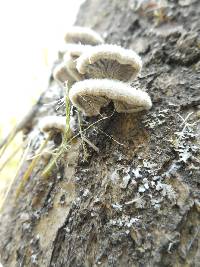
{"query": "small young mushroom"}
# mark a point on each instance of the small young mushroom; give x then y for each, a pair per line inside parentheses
(109, 61)
(53, 123)
(62, 75)
(93, 94)
(54, 126)
(82, 35)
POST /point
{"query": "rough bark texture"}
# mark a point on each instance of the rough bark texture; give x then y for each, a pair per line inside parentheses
(135, 204)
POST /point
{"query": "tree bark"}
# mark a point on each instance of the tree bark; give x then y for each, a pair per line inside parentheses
(137, 201)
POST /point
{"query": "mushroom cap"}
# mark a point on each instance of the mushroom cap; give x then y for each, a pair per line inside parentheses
(70, 57)
(53, 123)
(93, 94)
(70, 63)
(109, 61)
(61, 74)
(73, 49)
(82, 35)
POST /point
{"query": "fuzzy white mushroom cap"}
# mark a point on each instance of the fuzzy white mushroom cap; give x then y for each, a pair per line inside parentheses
(109, 61)
(61, 74)
(52, 123)
(93, 94)
(83, 35)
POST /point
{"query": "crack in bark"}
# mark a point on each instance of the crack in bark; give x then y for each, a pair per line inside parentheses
(57, 243)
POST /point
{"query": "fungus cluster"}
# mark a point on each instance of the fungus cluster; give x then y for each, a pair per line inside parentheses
(78, 40)
(96, 74)
(99, 73)
(57, 123)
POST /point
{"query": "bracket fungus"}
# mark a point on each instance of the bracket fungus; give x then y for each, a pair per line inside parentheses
(61, 74)
(78, 39)
(83, 35)
(109, 61)
(70, 64)
(54, 127)
(93, 94)
(101, 73)
(73, 52)
(51, 124)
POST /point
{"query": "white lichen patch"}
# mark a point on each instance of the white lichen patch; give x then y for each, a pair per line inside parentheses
(110, 61)
(125, 181)
(86, 192)
(137, 172)
(156, 203)
(141, 189)
(156, 119)
(184, 143)
(169, 192)
(67, 230)
(148, 164)
(125, 221)
(184, 154)
(93, 94)
(173, 168)
(117, 206)
(34, 258)
(114, 177)
(147, 167)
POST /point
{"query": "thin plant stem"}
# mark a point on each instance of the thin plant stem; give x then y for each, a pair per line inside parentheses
(82, 137)
(63, 146)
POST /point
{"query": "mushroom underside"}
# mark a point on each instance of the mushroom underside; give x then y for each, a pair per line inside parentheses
(105, 68)
(72, 70)
(91, 105)
(91, 99)
(53, 123)
(61, 74)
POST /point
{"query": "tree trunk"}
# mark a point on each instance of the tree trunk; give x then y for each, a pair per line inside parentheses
(137, 201)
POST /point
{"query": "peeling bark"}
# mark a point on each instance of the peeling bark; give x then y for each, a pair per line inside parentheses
(137, 201)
